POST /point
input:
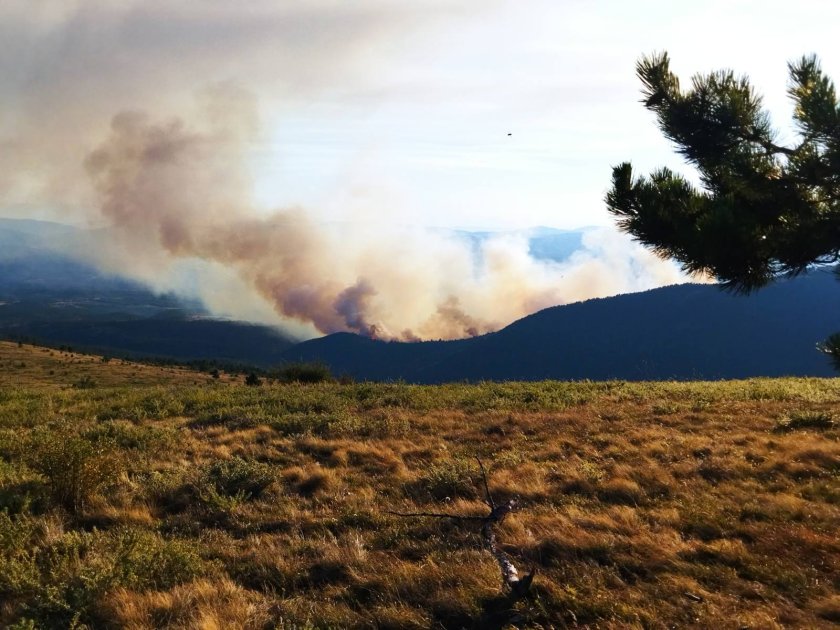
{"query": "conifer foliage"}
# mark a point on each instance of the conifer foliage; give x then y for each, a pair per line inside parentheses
(763, 208)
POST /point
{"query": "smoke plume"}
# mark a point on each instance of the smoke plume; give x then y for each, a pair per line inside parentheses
(173, 190)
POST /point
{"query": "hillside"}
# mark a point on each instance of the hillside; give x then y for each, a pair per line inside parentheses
(677, 332)
(47, 295)
(691, 505)
(24, 365)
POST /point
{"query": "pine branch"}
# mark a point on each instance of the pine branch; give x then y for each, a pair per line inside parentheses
(771, 147)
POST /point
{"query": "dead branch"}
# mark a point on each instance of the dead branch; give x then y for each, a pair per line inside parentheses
(510, 576)
(489, 497)
(438, 515)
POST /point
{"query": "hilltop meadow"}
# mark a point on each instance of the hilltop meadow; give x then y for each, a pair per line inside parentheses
(135, 496)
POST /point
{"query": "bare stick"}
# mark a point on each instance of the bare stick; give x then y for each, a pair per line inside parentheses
(519, 587)
(438, 515)
(489, 500)
(510, 576)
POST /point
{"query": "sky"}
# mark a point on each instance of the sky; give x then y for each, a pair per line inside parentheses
(385, 110)
(292, 161)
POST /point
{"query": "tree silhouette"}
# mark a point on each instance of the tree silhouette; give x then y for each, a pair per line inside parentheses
(764, 209)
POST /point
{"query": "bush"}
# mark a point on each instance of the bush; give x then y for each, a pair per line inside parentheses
(147, 560)
(819, 420)
(146, 440)
(59, 581)
(238, 477)
(21, 490)
(303, 373)
(253, 380)
(76, 468)
(445, 480)
(86, 382)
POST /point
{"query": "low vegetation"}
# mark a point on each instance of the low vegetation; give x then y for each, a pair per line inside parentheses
(27, 365)
(302, 373)
(180, 500)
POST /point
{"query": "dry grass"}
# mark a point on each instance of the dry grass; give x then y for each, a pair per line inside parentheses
(203, 605)
(28, 365)
(647, 505)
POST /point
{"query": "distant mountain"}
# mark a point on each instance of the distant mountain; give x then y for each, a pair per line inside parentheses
(368, 359)
(179, 339)
(49, 296)
(678, 332)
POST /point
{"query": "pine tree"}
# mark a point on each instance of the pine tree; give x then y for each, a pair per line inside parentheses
(763, 209)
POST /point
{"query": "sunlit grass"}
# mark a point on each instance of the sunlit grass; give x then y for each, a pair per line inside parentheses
(221, 505)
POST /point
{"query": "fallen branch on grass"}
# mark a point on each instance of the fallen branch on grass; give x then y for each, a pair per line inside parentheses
(510, 576)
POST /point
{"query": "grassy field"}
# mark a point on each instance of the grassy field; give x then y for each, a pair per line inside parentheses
(144, 497)
(26, 365)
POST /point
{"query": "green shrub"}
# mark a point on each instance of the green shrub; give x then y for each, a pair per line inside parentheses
(18, 573)
(820, 420)
(144, 560)
(172, 491)
(21, 490)
(58, 582)
(301, 423)
(10, 443)
(76, 468)
(86, 382)
(149, 440)
(446, 480)
(237, 476)
(225, 485)
(140, 404)
(303, 373)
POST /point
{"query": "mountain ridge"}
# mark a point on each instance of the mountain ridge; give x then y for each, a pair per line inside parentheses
(681, 332)
(678, 332)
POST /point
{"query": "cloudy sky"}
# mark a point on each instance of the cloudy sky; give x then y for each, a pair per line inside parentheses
(286, 160)
(383, 110)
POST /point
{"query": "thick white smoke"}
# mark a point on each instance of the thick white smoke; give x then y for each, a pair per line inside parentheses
(178, 190)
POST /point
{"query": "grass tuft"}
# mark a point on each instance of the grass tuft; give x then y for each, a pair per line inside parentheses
(798, 420)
